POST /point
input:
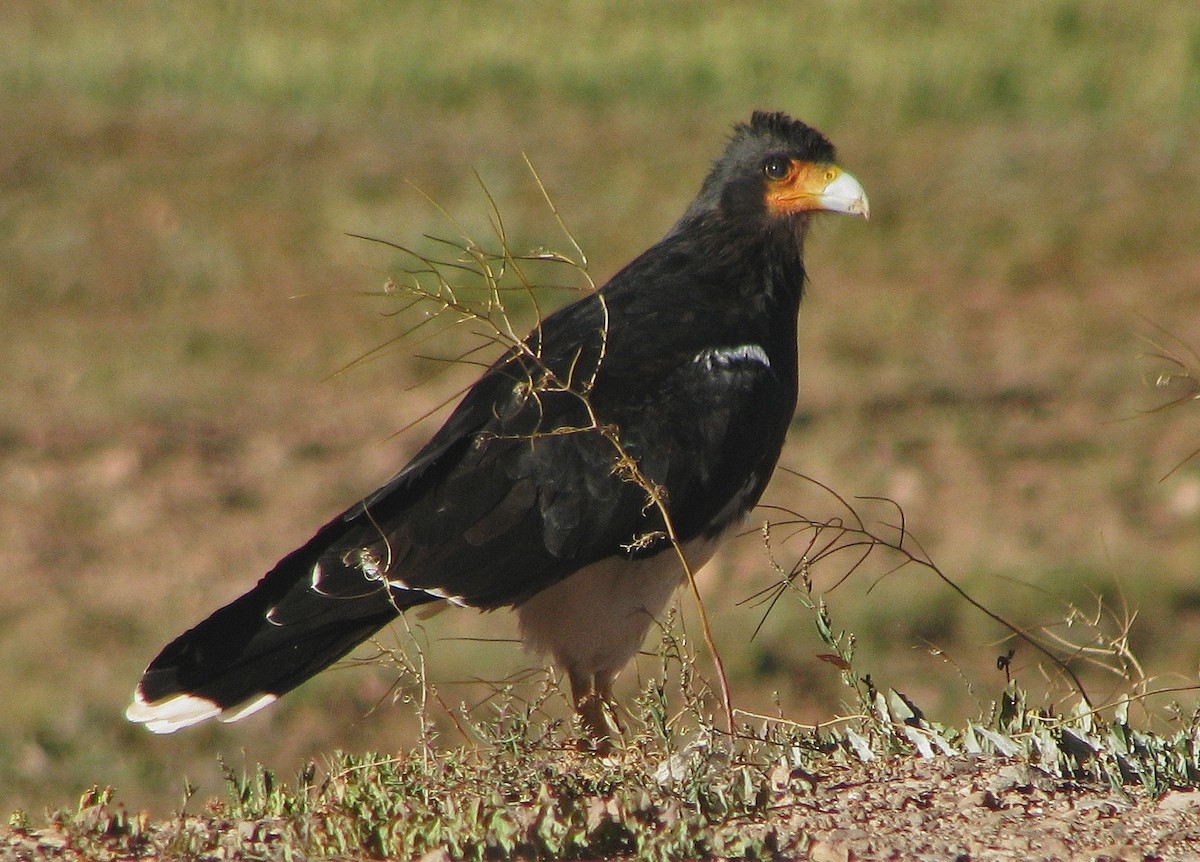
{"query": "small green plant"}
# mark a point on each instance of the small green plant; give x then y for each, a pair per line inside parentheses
(1084, 741)
(677, 787)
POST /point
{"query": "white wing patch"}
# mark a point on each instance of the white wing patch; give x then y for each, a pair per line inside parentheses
(458, 601)
(714, 358)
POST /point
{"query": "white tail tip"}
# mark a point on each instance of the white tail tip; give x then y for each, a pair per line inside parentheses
(184, 710)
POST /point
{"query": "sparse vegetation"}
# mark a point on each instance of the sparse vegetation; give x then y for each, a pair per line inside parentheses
(678, 788)
(172, 177)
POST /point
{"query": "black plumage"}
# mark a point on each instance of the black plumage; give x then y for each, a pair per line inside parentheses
(683, 364)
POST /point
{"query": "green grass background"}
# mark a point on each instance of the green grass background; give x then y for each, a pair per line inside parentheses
(177, 287)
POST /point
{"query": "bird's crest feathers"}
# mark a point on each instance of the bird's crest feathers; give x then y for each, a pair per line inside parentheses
(793, 134)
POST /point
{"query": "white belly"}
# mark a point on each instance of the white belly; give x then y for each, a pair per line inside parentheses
(596, 620)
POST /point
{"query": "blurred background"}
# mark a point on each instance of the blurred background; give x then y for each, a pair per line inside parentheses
(178, 291)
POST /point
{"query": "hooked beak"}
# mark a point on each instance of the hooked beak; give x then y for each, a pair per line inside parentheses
(811, 187)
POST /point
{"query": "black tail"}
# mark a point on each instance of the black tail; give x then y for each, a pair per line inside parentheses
(295, 623)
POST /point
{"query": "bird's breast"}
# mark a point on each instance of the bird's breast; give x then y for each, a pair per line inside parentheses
(596, 619)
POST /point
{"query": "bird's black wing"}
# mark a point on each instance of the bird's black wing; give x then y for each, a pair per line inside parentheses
(520, 488)
(530, 479)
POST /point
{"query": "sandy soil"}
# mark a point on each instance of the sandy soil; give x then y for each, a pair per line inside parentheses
(902, 809)
(966, 809)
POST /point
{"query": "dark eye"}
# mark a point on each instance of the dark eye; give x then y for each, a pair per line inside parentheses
(776, 167)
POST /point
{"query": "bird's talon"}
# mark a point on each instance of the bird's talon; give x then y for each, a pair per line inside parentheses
(599, 723)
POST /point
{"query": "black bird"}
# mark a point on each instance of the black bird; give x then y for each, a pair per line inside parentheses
(677, 377)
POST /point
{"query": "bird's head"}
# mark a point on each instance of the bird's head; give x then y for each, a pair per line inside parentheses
(776, 172)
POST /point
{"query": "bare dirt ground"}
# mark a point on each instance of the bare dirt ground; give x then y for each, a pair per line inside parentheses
(967, 809)
(903, 809)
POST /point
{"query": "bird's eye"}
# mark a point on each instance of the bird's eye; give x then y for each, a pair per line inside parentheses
(776, 167)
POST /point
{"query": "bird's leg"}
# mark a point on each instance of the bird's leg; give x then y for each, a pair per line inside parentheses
(604, 691)
(592, 696)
